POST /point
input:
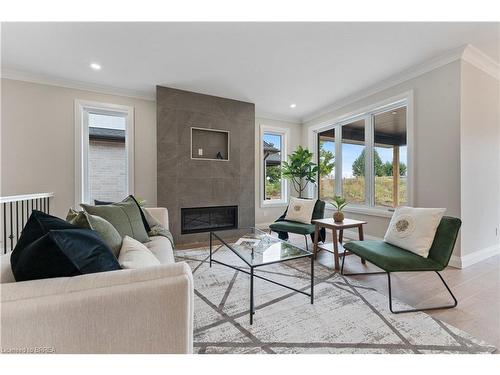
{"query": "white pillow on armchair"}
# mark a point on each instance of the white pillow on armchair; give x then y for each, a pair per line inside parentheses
(300, 210)
(413, 229)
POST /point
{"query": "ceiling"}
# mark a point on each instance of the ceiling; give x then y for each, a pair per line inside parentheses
(270, 64)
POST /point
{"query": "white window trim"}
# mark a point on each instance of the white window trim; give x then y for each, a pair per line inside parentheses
(405, 98)
(82, 107)
(284, 133)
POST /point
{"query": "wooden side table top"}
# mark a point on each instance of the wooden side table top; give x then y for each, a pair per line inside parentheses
(330, 223)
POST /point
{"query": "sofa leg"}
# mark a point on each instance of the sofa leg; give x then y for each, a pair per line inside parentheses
(455, 302)
(307, 246)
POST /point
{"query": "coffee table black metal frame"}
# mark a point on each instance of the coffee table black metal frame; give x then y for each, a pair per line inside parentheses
(253, 267)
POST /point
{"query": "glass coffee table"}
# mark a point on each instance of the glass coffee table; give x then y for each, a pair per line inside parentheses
(256, 249)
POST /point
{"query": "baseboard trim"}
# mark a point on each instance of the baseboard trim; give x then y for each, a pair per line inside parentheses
(475, 257)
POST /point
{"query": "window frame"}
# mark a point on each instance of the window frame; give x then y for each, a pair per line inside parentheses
(284, 133)
(82, 110)
(367, 113)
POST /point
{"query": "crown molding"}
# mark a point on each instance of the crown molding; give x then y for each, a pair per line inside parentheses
(268, 116)
(481, 61)
(19, 75)
(405, 75)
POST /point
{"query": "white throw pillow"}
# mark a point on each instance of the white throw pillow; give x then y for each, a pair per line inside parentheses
(134, 254)
(413, 229)
(300, 210)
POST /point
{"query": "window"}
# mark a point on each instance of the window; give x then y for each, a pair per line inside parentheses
(104, 154)
(375, 138)
(353, 162)
(326, 152)
(390, 158)
(273, 153)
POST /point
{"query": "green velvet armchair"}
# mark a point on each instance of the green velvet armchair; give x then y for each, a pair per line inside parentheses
(394, 259)
(283, 227)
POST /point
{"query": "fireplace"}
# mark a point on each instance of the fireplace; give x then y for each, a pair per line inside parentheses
(206, 219)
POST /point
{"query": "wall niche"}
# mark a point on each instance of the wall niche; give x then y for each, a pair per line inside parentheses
(209, 144)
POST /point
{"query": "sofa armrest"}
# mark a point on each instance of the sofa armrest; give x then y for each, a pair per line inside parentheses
(160, 214)
(148, 310)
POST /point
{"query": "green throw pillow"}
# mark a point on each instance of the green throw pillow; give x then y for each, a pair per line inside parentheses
(125, 216)
(103, 228)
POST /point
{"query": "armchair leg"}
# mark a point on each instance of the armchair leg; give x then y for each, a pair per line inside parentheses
(455, 302)
(307, 246)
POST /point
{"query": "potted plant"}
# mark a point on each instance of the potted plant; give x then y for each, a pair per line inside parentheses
(300, 169)
(339, 203)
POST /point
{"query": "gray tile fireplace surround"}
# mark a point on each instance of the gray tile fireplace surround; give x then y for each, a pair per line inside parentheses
(187, 183)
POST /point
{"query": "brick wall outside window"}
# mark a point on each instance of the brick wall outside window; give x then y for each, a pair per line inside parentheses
(107, 170)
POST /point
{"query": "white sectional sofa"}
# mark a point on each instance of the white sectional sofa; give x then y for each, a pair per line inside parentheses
(147, 310)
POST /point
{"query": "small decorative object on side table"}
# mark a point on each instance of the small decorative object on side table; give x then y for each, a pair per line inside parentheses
(339, 203)
(330, 223)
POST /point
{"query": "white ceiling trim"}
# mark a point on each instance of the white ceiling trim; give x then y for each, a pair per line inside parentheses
(19, 75)
(268, 116)
(481, 61)
(415, 71)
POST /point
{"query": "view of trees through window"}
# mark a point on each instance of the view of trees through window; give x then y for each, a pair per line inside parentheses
(390, 158)
(326, 141)
(389, 161)
(272, 149)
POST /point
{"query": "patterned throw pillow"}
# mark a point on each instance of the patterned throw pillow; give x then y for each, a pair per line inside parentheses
(300, 210)
(413, 229)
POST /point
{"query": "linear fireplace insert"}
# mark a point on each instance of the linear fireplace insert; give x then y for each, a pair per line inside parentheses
(205, 219)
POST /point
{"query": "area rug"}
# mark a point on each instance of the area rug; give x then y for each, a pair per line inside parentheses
(346, 317)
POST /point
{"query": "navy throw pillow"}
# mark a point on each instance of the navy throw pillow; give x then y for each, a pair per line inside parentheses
(69, 251)
(39, 223)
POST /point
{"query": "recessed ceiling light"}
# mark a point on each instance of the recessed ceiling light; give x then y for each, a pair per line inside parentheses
(394, 113)
(293, 105)
(95, 66)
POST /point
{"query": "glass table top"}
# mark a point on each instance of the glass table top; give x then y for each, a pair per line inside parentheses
(258, 248)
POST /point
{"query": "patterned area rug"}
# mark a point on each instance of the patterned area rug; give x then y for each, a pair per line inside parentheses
(346, 317)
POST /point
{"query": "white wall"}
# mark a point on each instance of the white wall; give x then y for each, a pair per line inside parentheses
(267, 215)
(436, 140)
(37, 141)
(480, 161)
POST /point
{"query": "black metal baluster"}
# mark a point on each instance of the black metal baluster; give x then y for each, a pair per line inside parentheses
(27, 209)
(22, 215)
(11, 229)
(4, 228)
(17, 221)
(48, 205)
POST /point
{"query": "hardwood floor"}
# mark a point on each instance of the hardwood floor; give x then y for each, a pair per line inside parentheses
(477, 289)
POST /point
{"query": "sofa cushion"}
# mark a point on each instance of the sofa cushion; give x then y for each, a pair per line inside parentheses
(391, 258)
(103, 228)
(6, 275)
(134, 254)
(62, 253)
(292, 227)
(125, 216)
(162, 249)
